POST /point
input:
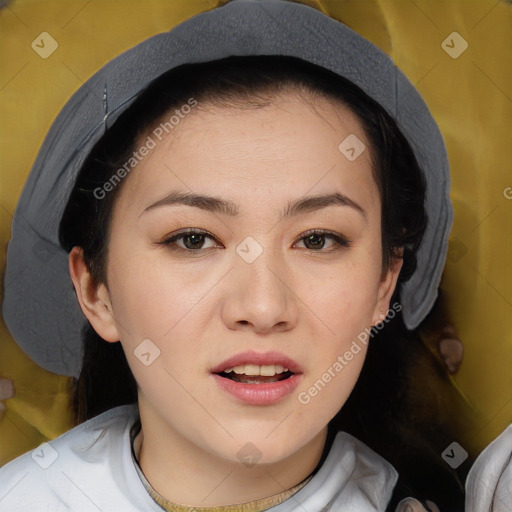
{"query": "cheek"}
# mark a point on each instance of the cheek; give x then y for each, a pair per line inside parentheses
(345, 296)
(150, 296)
(345, 307)
(335, 359)
(161, 310)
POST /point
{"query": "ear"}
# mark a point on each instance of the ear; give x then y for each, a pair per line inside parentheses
(387, 286)
(94, 298)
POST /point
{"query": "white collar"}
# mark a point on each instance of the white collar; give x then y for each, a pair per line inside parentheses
(352, 478)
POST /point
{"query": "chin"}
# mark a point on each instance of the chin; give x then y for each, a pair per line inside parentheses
(262, 448)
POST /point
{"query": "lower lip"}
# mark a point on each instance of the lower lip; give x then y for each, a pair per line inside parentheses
(259, 394)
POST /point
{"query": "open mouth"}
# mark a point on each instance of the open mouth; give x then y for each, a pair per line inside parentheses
(254, 374)
(260, 379)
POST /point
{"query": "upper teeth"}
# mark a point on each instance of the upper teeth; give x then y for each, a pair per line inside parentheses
(267, 370)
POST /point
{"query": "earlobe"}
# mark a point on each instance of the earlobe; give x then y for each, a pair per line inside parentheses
(93, 297)
(386, 289)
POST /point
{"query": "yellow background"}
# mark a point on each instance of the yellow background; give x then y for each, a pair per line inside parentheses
(470, 97)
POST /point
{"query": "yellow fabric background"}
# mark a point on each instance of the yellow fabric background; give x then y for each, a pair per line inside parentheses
(470, 97)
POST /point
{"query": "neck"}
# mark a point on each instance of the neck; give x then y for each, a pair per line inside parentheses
(184, 473)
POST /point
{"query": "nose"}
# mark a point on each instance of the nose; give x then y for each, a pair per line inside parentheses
(259, 296)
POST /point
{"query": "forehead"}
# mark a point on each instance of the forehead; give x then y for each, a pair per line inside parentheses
(292, 146)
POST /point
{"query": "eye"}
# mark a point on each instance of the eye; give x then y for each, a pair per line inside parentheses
(315, 240)
(191, 240)
(196, 240)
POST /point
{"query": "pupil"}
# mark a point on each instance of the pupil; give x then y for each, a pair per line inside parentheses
(195, 241)
(315, 240)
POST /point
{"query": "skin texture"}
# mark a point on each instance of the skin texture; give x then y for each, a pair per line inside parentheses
(201, 308)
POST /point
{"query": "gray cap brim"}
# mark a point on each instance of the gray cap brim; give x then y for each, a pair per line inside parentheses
(40, 307)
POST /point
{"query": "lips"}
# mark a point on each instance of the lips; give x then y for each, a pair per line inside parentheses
(258, 379)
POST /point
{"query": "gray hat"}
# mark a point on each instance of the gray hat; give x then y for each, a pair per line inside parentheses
(40, 307)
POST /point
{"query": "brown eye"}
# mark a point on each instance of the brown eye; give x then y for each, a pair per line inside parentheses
(191, 240)
(315, 240)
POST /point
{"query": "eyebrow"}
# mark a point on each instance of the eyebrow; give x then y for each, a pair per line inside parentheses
(217, 205)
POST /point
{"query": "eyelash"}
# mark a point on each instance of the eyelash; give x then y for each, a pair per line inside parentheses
(340, 241)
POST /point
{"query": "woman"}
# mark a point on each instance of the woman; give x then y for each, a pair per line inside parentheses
(310, 202)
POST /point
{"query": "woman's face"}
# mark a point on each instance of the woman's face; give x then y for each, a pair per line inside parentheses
(254, 292)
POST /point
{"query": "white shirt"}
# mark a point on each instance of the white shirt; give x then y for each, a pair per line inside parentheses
(91, 468)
